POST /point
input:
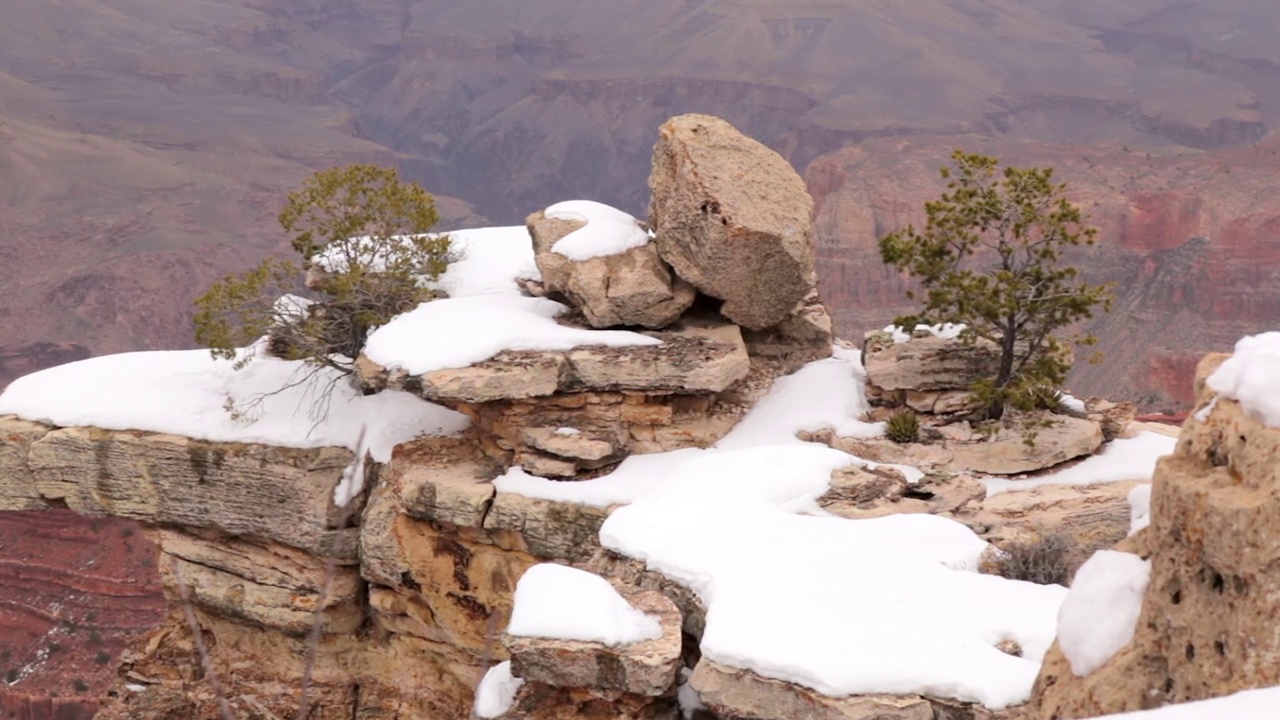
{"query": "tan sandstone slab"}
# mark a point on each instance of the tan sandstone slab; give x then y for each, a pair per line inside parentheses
(740, 693)
(696, 356)
(266, 584)
(549, 529)
(17, 484)
(280, 494)
(646, 668)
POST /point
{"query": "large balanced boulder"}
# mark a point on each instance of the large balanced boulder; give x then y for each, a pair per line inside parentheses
(733, 218)
(1207, 626)
(614, 288)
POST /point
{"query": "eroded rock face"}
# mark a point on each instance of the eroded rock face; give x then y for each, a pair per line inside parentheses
(260, 582)
(562, 413)
(648, 668)
(733, 218)
(278, 494)
(924, 364)
(634, 287)
(699, 355)
(731, 692)
(1207, 626)
(802, 337)
(1019, 443)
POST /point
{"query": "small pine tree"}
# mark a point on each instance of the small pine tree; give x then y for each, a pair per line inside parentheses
(989, 257)
(362, 236)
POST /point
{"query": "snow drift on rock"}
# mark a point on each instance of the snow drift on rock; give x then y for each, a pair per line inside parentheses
(1252, 377)
(608, 231)
(497, 691)
(564, 603)
(187, 392)
(1100, 613)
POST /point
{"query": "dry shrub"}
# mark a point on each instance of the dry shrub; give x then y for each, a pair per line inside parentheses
(1044, 559)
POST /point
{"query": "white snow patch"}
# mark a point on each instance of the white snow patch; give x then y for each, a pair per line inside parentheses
(841, 606)
(1202, 415)
(461, 331)
(491, 259)
(1251, 376)
(633, 477)
(497, 691)
(291, 307)
(184, 392)
(946, 331)
(688, 698)
(134, 687)
(823, 394)
(1073, 403)
(1122, 459)
(567, 431)
(564, 603)
(1100, 613)
(608, 231)
(1139, 507)
(827, 394)
(1247, 705)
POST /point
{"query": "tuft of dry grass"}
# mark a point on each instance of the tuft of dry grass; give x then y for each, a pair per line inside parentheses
(1044, 559)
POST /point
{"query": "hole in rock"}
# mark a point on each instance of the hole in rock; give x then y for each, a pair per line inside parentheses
(1219, 583)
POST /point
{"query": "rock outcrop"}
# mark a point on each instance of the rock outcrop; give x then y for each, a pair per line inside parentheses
(1207, 625)
(570, 679)
(566, 412)
(633, 287)
(733, 218)
(929, 374)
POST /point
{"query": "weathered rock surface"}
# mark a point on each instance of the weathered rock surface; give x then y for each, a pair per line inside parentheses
(260, 582)
(634, 287)
(279, 494)
(1207, 626)
(558, 414)
(548, 529)
(802, 337)
(699, 355)
(647, 668)
(733, 218)
(17, 484)
(924, 363)
(1002, 449)
(731, 692)
(859, 493)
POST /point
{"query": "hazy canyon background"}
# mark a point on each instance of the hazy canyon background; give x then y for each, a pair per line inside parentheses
(146, 146)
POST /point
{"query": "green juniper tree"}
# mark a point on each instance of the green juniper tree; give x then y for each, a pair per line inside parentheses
(989, 257)
(362, 236)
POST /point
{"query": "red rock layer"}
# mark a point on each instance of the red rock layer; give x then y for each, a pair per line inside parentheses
(74, 592)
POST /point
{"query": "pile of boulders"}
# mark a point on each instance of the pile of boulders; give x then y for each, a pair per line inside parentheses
(726, 281)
